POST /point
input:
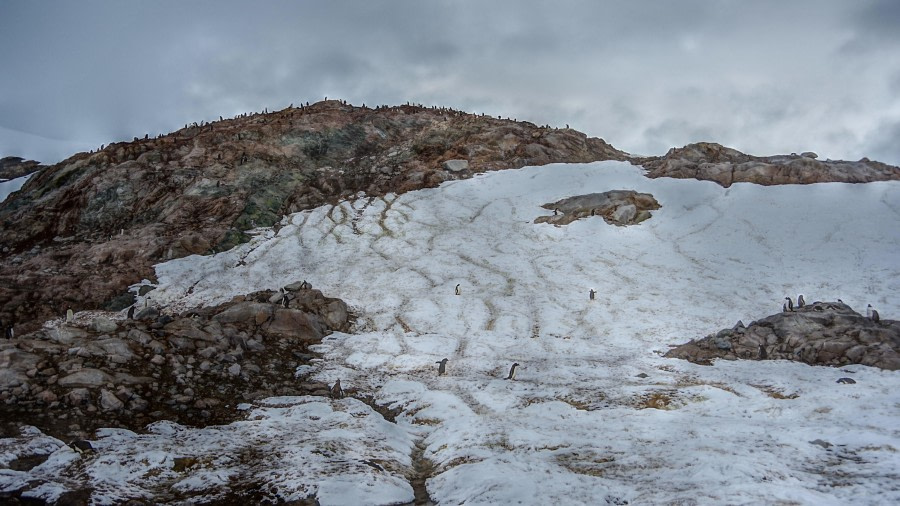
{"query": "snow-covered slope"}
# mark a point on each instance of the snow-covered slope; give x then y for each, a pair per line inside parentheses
(577, 424)
(9, 186)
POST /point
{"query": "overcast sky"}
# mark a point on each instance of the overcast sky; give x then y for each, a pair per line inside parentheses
(764, 77)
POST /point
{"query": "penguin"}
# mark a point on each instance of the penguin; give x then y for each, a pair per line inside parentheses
(336, 391)
(869, 310)
(875, 317)
(555, 211)
(70, 316)
(10, 333)
(592, 293)
(457, 289)
(789, 305)
(840, 301)
(443, 367)
(130, 314)
(762, 355)
(512, 371)
(305, 286)
(82, 446)
(284, 300)
(800, 301)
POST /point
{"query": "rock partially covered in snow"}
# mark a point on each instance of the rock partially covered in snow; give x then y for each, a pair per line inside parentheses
(617, 207)
(821, 333)
(70, 378)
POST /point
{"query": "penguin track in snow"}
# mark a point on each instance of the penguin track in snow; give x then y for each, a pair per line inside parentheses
(358, 215)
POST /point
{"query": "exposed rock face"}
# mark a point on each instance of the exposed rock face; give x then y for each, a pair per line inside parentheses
(12, 167)
(821, 333)
(193, 368)
(81, 231)
(714, 162)
(617, 207)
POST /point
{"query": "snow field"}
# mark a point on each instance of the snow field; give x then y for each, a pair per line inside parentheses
(578, 425)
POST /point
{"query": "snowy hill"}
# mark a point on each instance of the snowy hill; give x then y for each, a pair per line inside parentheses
(595, 414)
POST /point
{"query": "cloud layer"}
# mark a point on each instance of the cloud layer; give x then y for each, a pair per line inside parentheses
(765, 77)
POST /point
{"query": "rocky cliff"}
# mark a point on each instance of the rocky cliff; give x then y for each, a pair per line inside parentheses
(714, 162)
(81, 231)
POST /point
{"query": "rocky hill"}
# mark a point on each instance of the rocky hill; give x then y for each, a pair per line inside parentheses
(83, 230)
(726, 166)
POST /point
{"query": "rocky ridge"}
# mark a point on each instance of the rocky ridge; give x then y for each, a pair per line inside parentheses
(12, 167)
(83, 230)
(713, 162)
(101, 370)
(821, 333)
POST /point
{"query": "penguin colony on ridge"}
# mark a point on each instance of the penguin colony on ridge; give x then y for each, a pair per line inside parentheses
(512, 371)
(443, 367)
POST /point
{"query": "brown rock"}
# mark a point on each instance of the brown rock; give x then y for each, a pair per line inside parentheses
(251, 313)
(296, 324)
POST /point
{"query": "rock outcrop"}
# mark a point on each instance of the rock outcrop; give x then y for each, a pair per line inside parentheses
(83, 230)
(12, 167)
(713, 162)
(194, 367)
(617, 207)
(821, 333)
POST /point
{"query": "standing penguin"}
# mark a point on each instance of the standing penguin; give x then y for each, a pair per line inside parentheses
(457, 289)
(512, 371)
(70, 316)
(336, 391)
(130, 314)
(285, 300)
(869, 310)
(9, 331)
(592, 293)
(788, 306)
(762, 355)
(800, 301)
(875, 317)
(443, 367)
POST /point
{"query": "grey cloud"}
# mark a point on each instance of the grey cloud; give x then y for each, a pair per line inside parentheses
(644, 75)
